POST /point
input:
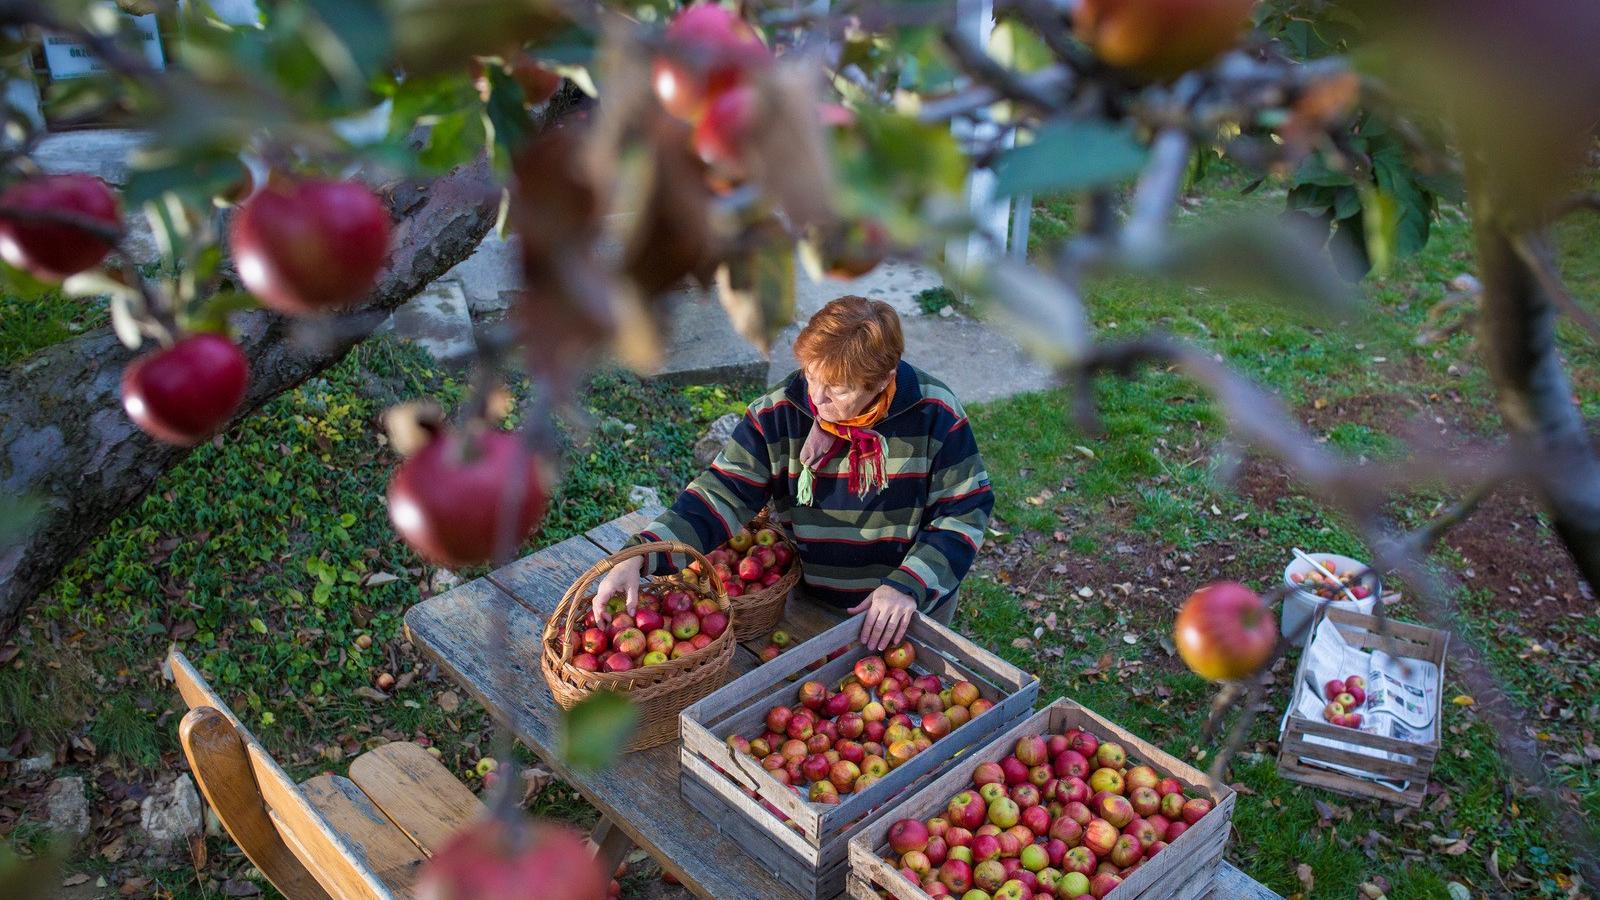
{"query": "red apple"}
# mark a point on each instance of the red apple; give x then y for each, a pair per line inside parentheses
(1225, 632)
(713, 624)
(587, 662)
(1151, 850)
(1037, 818)
(1100, 836)
(985, 847)
(446, 500)
(708, 50)
(1085, 743)
(1145, 801)
(778, 719)
(813, 694)
(815, 767)
(869, 670)
(1039, 776)
(1116, 810)
(1079, 859)
(1070, 789)
(900, 656)
(1103, 883)
(1142, 776)
(843, 773)
(1172, 805)
(988, 773)
(1145, 830)
(956, 875)
(1111, 755)
(938, 849)
(183, 393)
(659, 641)
(1025, 795)
(1069, 763)
(1014, 769)
(309, 246)
(1355, 683)
(967, 810)
(53, 251)
(648, 620)
(935, 725)
(1078, 811)
(1332, 689)
(617, 661)
(1126, 851)
(1030, 750)
(497, 858)
(1195, 809)
(1169, 786)
(1176, 829)
(1067, 830)
(988, 875)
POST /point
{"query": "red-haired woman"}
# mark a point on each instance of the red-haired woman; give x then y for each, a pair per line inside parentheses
(868, 462)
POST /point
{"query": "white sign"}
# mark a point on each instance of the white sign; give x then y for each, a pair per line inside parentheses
(68, 58)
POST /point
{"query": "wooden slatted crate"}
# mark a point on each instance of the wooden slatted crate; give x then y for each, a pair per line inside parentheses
(728, 787)
(1184, 870)
(1296, 753)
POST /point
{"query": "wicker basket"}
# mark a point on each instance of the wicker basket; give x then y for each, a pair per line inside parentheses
(658, 692)
(759, 612)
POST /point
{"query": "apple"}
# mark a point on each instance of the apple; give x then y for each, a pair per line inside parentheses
(1111, 755)
(1070, 763)
(935, 725)
(1152, 849)
(1036, 818)
(309, 246)
(988, 875)
(900, 753)
(979, 707)
(617, 661)
(823, 792)
(843, 774)
(815, 767)
(630, 641)
(1078, 811)
(1109, 780)
(869, 670)
(985, 847)
(836, 705)
(1004, 812)
(967, 810)
(1333, 689)
(1025, 795)
(760, 747)
(1073, 884)
(749, 570)
(1071, 789)
(1172, 805)
(851, 750)
(1116, 810)
(799, 728)
(1100, 836)
(1034, 857)
(1169, 786)
(900, 656)
(52, 251)
(653, 658)
(1344, 699)
(621, 622)
(494, 858)
(1126, 851)
(1334, 708)
(1079, 860)
(988, 773)
(931, 703)
(938, 850)
(1353, 720)
(1103, 883)
(1067, 830)
(648, 620)
(446, 500)
(778, 719)
(1039, 776)
(874, 765)
(1175, 830)
(1085, 743)
(1357, 697)
(713, 624)
(1225, 632)
(1145, 830)
(851, 725)
(958, 836)
(659, 640)
(676, 602)
(956, 875)
(587, 662)
(183, 393)
(1142, 776)
(1145, 801)
(1195, 809)
(1355, 683)
(818, 742)
(1030, 750)
(991, 792)
(1160, 39)
(1014, 769)
(685, 625)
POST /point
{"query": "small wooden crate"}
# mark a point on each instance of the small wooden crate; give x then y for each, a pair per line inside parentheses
(728, 787)
(1398, 639)
(1184, 870)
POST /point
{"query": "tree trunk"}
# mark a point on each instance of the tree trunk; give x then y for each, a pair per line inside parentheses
(1518, 336)
(65, 441)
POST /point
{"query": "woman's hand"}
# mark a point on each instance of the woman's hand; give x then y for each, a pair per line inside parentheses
(889, 613)
(622, 579)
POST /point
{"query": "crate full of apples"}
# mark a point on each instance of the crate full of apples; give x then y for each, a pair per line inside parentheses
(1065, 804)
(793, 762)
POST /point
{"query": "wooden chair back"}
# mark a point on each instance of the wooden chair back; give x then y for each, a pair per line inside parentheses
(271, 819)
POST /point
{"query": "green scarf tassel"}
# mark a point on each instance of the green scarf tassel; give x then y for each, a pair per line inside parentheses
(802, 491)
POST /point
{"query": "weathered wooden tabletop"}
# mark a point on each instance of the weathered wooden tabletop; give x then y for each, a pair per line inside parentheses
(639, 797)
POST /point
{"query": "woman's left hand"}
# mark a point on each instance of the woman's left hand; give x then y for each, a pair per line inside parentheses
(889, 613)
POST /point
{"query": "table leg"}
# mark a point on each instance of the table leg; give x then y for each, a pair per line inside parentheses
(611, 845)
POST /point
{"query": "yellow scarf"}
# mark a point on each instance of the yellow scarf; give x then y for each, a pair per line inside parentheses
(867, 465)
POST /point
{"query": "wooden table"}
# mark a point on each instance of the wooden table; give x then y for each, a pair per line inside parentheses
(638, 800)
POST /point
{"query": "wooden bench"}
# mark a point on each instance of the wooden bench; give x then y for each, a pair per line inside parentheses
(363, 836)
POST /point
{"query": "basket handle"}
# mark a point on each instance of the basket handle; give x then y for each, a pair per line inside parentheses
(570, 610)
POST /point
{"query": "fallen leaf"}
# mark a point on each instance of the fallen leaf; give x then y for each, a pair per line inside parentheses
(1050, 621)
(377, 579)
(239, 887)
(1463, 700)
(73, 880)
(1458, 891)
(449, 702)
(1304, 874)
(134, 885)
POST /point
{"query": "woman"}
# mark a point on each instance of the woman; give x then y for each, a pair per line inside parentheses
(868, 462)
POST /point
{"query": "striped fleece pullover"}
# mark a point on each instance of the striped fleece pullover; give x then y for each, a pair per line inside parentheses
(920, 533)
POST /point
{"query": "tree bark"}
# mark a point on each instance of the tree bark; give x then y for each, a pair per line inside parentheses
(65, 441)
(1517, 332)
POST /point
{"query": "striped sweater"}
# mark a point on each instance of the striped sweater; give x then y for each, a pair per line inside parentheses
(920, 533)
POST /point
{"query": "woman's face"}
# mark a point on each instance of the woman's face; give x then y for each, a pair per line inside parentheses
(836, 402)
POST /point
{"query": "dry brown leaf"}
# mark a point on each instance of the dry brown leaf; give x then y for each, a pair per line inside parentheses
(449, 702)
(1306, 877)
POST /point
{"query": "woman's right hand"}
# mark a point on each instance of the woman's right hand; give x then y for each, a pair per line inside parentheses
(622, 579)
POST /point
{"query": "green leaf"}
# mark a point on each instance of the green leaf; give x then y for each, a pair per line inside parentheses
(1070, 156)
(507, 112)
(193, 173)
(211, 314)
(363, 37)
(594, 732)
(258, 626)
(1016, 47)
(455, 139)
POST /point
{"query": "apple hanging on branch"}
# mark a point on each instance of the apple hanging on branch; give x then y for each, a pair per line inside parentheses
(184, 393)
(56, 249)
(1225, 632)
(310, 246)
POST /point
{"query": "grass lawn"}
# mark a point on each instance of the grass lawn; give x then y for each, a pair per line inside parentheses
(266, 554)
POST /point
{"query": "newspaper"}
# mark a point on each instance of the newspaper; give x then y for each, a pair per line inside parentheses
(1402, 697)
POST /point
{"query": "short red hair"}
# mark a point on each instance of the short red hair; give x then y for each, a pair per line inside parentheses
(852, 342)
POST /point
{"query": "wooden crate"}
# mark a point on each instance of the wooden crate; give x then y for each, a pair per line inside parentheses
(728, 787)
(1398, 639)
(1184, 870)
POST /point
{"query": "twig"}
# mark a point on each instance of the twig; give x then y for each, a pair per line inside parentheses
(1538, 261)
(1420, 540)
(111, 234)
(1145, 234)
(984, 69)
